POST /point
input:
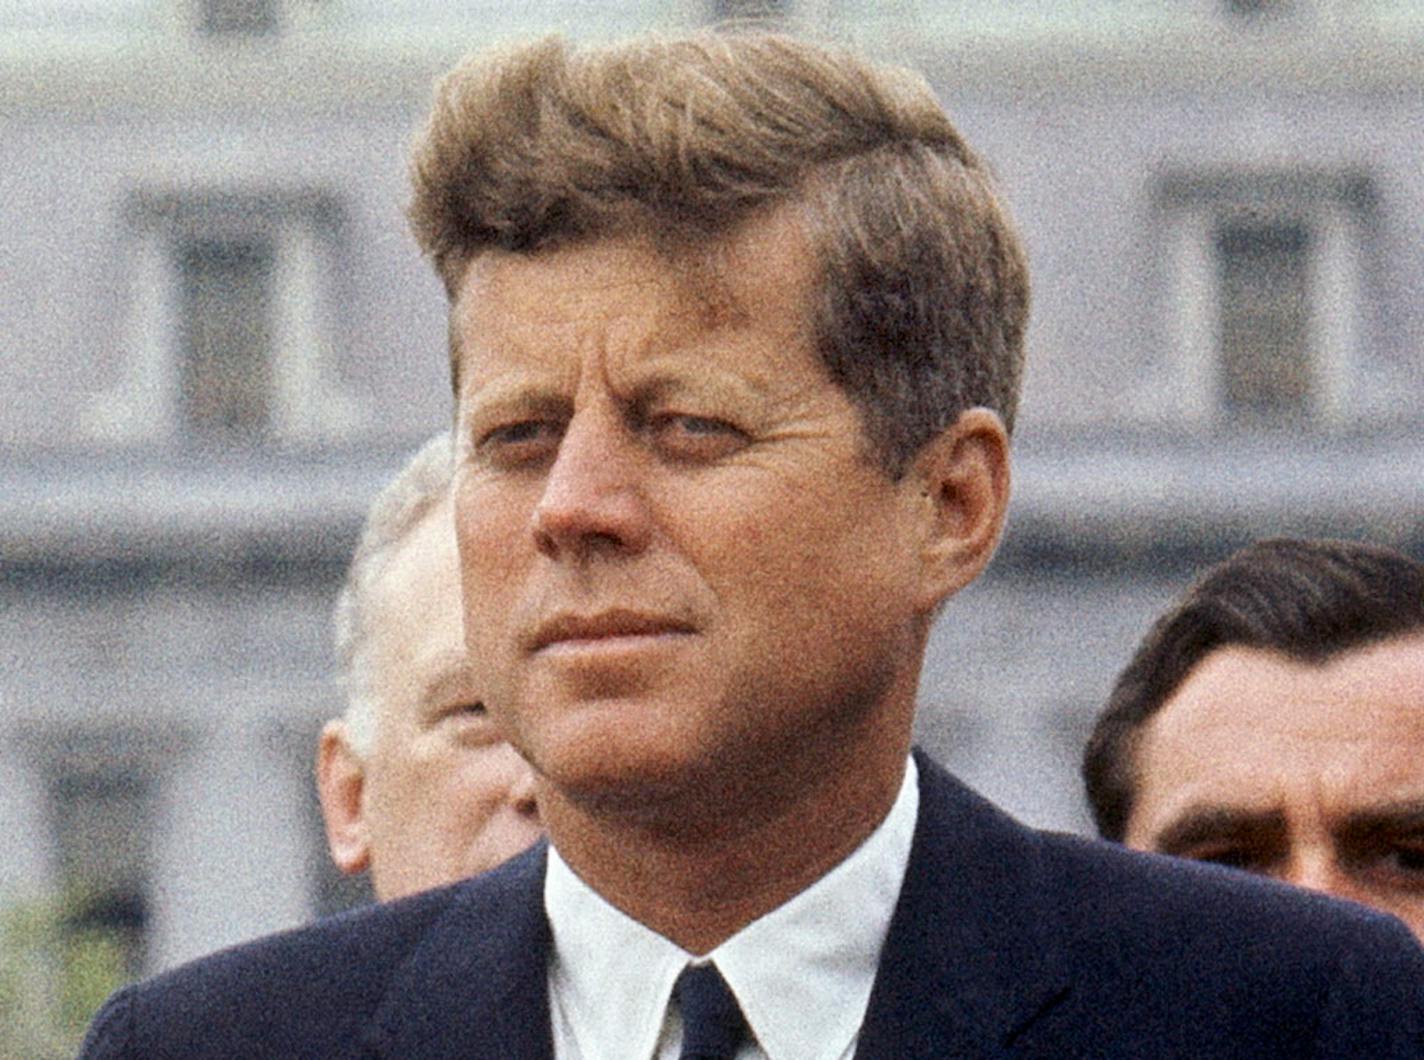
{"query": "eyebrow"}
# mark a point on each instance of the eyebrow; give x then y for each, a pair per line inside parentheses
(1202, 823)
(1404, 815)
(512, 397)
(512, 393)
(1198, 825)
(665, 383)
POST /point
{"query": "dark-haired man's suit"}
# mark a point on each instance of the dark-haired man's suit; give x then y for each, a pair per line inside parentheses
(1005, 942)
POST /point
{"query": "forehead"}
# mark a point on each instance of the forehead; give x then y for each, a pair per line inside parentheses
(1254, 728)
(414, 615)
(631, 299)
(422, 566)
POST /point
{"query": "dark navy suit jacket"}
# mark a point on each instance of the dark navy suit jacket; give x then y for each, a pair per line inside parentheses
(1005, 942)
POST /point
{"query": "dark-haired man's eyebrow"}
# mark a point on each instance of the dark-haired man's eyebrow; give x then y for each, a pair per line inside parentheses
(1197, 827)
(1390, 818)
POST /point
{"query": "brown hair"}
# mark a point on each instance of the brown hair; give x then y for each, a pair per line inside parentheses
(923, 296)
(1308, 600)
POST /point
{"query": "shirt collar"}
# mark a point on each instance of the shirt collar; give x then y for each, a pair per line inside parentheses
(802, 973)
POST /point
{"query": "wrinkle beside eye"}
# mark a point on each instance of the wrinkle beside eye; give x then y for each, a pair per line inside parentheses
(693, 437)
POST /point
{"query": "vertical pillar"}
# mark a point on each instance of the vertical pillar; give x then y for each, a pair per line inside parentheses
(1334, 301)
(27, 868)
(144, 404)
(307, 405)
(229, 862)
(1195, 318)
(297, 342)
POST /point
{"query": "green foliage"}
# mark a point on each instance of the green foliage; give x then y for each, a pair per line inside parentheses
(55, 972)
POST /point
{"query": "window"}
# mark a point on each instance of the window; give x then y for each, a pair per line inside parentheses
(78, 926)
(749, 9)
(226, 344)
(237, 17)
(1255, 8)
(229, 336)
(1264, 297)
(1263, 280)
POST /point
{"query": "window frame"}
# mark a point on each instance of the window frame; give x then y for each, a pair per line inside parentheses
(1189, 209)
(307, 405)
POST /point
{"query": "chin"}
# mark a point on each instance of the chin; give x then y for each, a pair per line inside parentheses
(610, 771)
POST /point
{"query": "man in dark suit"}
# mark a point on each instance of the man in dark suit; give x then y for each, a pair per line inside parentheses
(736, 331)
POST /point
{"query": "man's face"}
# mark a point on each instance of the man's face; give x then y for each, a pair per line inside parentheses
(1312, 774)
(441, 795)
(679, 565)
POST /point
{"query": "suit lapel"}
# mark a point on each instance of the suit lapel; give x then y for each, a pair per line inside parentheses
(970, 959)
(477, 985)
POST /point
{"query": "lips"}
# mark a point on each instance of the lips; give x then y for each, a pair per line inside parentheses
(606, 626)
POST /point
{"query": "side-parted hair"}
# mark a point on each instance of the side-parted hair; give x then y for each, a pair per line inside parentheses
(397, 510)
(922, 298)
(1308, 600)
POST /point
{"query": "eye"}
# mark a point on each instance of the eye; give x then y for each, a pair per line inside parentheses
(1401, 861)
(1411, 858)
(469, 724)
(699, 424)
(1233, 856)
(462, 712)
(1233, 859)
(684, 436)
(520, 443)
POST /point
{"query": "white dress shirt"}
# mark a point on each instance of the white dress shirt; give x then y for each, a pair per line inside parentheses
(802, 973)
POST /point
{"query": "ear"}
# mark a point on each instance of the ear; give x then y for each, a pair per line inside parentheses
(340, 787)
(963, 479)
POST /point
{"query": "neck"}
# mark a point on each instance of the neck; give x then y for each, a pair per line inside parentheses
(696, 875)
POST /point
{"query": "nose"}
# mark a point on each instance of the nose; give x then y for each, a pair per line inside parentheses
(1320, 870)
(591, 500)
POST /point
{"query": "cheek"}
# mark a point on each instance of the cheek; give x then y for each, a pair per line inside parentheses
(807, 565)
(489, 531)
(469, 793)
(490, 523)
(750, 523)
(399, 780)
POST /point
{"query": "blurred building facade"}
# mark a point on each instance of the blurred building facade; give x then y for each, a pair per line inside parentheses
(219, 341)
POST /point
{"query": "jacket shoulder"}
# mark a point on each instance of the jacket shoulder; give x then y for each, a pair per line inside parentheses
(1142, 955)
(309, 992)
(1235, 917)
(1258, 960)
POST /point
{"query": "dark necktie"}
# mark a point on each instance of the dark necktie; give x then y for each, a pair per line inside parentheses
(712, 1023)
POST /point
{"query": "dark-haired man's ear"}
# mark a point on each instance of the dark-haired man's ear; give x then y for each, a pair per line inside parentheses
(340, 787)
(962, 476)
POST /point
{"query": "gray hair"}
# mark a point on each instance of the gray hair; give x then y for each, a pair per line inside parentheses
(397, 510)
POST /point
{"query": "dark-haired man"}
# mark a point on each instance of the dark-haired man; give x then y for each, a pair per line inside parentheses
(1273, 720)
(737, 326)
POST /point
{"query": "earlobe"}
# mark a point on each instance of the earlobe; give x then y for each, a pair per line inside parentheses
(963, 480)
(340, 785)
